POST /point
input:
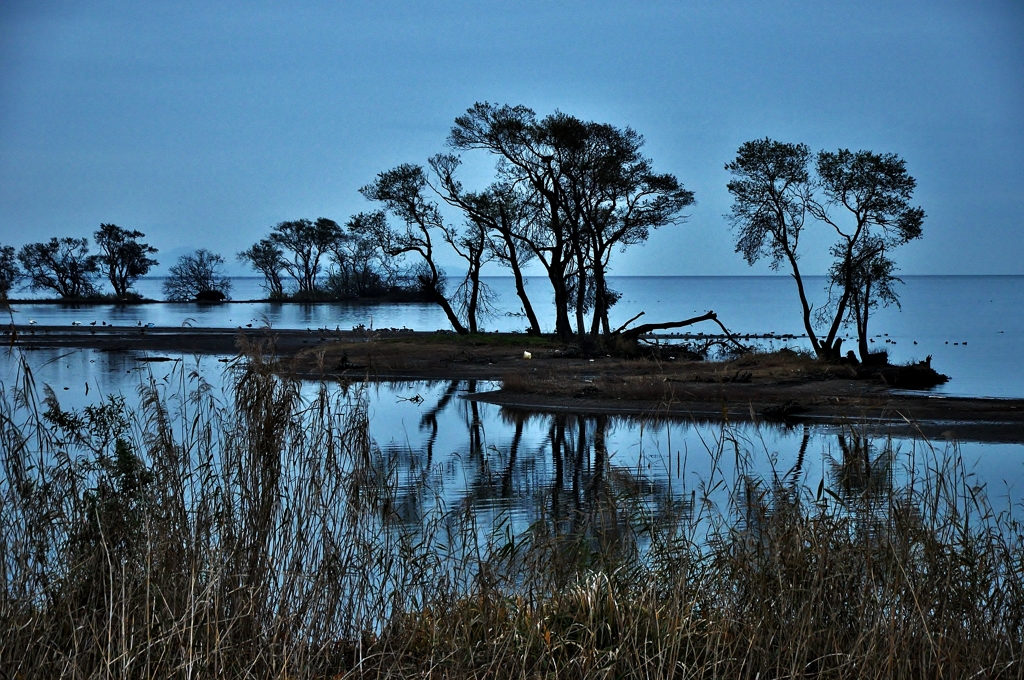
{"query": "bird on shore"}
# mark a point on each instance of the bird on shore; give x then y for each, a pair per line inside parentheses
(31, 322)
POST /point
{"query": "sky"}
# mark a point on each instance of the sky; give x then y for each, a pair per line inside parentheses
(203, 124)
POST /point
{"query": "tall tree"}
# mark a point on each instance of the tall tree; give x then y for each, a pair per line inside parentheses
(505, 216)
(771, 189)
(526, 158)
(267, 258)
(871, 193)
(62, 265)
(123, 258)
(402, 193)
(863, 197)
(304, 244)
(591, 191)
(614, 200)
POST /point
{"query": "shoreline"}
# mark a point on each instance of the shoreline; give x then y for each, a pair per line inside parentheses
(782, 388)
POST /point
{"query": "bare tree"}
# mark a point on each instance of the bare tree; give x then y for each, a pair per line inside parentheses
(197, 276)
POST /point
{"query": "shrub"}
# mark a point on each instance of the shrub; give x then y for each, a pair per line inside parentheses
(197, 276)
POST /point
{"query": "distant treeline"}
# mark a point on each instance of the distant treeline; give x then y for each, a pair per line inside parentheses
(567, 194)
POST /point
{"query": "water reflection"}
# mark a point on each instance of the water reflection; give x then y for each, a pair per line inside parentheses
(564, 467)
(613, 474)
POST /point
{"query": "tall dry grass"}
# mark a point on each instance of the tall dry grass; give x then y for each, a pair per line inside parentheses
(258, 537)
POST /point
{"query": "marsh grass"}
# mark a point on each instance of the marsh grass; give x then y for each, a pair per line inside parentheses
(257, 536)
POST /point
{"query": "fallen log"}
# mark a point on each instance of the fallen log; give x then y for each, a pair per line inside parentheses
(633, 333)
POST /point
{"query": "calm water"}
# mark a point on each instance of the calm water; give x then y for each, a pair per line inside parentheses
(972, 326)
(521, 464)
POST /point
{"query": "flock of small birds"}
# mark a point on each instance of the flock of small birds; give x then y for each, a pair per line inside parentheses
(750, 336)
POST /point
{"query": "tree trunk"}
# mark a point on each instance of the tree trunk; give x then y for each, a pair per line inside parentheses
(600, 319)
(805, 306)
(531, 316)
(440, 299)
(863, 308)
(556, 274)
(474, 295)
(453, 318)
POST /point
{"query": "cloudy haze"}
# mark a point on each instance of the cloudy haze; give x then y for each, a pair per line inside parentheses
(203, 124)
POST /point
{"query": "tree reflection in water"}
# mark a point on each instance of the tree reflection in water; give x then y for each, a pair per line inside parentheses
(598, 477)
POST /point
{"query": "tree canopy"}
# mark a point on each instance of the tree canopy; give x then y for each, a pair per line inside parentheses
(862, 197)
(123, 259)
(62, 265)
(590, 190)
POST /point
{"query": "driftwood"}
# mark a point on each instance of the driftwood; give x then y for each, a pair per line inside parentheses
(623, 326)
(634, 333)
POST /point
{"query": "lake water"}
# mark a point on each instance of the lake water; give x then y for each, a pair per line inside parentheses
(512, 462)
(523, 465)
(971, 326)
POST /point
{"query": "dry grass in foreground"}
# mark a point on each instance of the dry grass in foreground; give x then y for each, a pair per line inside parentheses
(259, 539)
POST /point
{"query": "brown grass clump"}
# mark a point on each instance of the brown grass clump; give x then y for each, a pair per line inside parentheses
(259, 538)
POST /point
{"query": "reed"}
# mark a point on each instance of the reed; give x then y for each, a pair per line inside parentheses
(259, 535)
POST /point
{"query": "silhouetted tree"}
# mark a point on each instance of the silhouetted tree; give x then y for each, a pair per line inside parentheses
(267, 258)
(360, 267)
(871, 280)
(590, 191)
(871, 192)
(62, 265)
(401, 191)
(10, 273)
(506, 218)
(771, 189)
(198, 275)
(472, 244)
(773, 194)
(615, 200)
(304, 243)
(123, 258)
(526, 158)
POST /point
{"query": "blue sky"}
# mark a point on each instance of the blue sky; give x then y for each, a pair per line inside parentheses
(205, 123)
